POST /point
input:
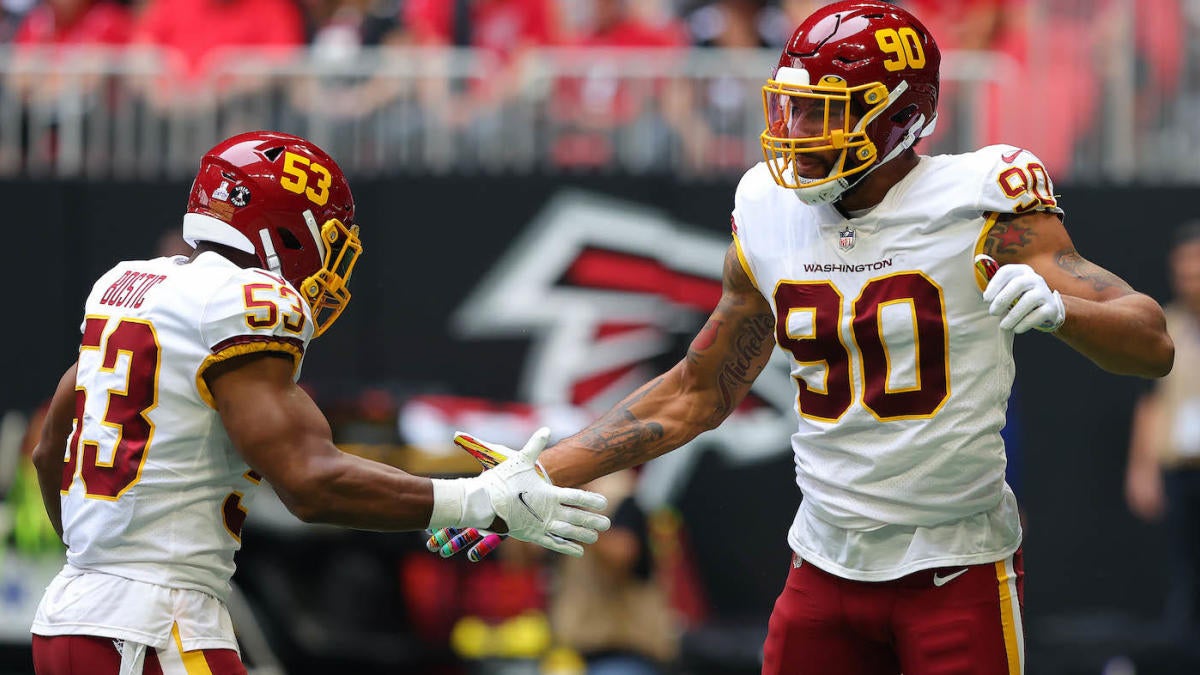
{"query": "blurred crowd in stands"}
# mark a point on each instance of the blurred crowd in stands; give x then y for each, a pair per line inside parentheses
(1053, 62)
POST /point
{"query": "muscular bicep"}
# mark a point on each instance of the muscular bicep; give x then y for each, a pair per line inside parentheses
(273, 423)
(1040, 241)
(735, 343)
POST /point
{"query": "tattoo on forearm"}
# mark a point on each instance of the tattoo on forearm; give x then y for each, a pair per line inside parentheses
(741, 367)
(619, 436)
(1007, 238)
(1086, 271)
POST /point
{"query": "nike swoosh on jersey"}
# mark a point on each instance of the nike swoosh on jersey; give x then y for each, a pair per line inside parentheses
(521, 498)
(1009, 157)
(942, 581)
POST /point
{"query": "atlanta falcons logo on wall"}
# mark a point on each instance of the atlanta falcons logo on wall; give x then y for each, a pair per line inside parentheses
(602, 285)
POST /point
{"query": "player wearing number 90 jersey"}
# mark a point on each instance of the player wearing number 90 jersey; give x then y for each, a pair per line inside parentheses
(856, 255)
(902, 375)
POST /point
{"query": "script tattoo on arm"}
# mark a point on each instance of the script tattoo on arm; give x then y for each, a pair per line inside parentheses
(700, 391)
(736, 340)
(1088, 272)
(742, 365)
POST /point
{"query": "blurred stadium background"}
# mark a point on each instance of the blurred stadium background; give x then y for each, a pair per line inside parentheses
(544, 188)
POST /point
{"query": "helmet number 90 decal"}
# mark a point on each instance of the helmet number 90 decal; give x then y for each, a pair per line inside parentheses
(295, 178)
(904, 46)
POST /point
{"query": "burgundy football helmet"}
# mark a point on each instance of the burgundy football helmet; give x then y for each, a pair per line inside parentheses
(857, 76)
(283, 199)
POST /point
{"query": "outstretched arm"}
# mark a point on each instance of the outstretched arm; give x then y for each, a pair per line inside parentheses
(1119, 329)
(52, 446)
(282, 435)
(697, 394)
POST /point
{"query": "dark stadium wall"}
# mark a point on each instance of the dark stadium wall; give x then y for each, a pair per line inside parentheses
(430, 240)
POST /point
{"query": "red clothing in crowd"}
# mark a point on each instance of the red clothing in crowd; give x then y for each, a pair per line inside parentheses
(497, 25)
(101, 23)
(634, 33)
(197, 28)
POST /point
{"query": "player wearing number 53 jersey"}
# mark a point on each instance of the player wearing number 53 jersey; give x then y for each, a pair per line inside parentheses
(857, 257)
(184, 398)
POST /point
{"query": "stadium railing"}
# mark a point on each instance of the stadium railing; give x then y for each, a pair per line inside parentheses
(696, 113)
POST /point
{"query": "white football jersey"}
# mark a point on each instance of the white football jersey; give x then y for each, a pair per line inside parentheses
(902, 375)
(153, 490)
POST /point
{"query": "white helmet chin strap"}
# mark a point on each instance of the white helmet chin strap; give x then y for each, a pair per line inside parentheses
(269, 248)
(821, 194)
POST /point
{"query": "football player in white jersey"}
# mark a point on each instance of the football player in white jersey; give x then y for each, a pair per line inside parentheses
(857, 256)
(184, 398)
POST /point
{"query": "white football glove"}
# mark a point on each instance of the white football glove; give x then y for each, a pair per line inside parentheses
(477, 543)
(1021, 297)
(534, 509)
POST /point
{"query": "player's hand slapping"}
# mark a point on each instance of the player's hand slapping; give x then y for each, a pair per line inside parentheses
(515, 489)
(476, 542)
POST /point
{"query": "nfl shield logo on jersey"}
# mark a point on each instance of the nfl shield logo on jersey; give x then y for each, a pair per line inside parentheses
(846, 239)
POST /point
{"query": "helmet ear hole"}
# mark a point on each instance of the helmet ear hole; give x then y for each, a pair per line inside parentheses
(904, 114)
(289, 240)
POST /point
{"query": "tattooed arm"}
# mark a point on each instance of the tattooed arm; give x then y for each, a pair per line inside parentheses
(1119, 329)
(697, 394)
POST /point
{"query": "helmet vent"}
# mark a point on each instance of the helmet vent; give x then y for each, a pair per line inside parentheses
(905, 114)
(289, 240)
(273, 154)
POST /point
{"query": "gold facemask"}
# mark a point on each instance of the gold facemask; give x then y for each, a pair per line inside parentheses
(326, 291)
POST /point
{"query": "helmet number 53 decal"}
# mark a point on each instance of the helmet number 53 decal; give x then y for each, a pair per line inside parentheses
(296, 172)
(904, 46)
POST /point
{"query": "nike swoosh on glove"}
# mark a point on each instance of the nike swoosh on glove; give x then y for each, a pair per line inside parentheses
(536, 510)
(478, 543)
(1023, 300)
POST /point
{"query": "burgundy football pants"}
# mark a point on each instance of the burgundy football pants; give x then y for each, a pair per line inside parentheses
(87, 655)
(942, 621)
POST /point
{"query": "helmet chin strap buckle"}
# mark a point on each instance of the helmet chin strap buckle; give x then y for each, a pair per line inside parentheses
(269, 248)
(822, 194)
